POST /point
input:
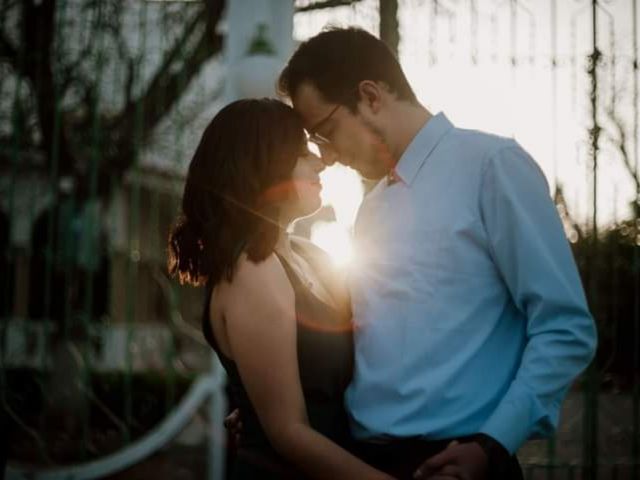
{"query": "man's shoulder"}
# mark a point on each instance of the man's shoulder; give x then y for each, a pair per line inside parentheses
(491, 152)
(480, 144)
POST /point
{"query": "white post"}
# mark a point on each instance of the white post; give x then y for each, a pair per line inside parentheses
(254, 75)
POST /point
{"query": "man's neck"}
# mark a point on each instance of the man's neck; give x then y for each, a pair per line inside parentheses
(411, 119)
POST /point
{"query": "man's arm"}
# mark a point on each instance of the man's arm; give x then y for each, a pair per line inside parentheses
(530, 251)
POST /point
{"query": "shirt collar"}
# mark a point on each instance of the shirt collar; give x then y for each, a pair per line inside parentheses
(416, 154)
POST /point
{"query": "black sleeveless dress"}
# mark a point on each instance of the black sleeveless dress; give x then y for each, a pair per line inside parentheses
(325, 362)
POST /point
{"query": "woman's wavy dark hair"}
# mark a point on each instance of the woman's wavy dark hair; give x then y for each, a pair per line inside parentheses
(237, 177)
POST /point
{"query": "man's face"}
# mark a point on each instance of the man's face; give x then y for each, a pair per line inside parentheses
(353, 141)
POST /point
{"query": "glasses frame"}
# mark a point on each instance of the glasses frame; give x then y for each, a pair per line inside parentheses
(314, 136)
(321, 140)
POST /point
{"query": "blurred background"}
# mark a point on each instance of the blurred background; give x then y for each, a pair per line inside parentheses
(104, 372)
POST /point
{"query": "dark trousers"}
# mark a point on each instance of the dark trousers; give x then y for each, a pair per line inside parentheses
(401, 458)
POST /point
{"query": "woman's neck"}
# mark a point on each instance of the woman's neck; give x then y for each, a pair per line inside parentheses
(283, 245)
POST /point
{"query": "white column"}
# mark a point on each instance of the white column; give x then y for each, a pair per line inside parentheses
(255, 75)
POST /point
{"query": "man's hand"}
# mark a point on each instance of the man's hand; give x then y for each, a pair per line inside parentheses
(233, 423)
(462, 461)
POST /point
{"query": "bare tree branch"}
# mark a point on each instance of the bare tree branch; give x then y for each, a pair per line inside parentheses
(129, 81)
(164, 89)
(37, 36)
(321, 4)
(7, 6)
(68, 136)
(389, 26)
(620, 141)
(118, 144)
(174, 54)
(563, 209)
(8, 51)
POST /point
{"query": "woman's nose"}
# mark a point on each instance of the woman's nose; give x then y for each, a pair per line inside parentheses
(318, 163)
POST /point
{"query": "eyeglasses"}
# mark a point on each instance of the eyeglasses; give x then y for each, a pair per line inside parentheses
(314, 136)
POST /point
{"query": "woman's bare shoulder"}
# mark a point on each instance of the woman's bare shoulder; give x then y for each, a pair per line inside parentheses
(256, 285)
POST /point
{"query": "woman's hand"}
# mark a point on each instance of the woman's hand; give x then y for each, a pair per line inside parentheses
(463, 461)
(233, 424)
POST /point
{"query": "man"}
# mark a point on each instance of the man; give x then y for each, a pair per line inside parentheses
(470, 318)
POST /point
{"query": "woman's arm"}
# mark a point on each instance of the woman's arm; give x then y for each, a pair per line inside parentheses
(259, 310)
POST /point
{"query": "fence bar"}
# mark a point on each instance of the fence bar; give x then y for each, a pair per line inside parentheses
(207, 386)
(635, 440)
(553, 22)
(590, 447)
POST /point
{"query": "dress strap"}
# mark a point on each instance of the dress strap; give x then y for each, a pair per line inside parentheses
(206, 324)
(291, 274)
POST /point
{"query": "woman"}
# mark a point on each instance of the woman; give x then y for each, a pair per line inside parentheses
(275, 314)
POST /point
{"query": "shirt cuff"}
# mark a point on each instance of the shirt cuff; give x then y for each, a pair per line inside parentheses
(512, 423)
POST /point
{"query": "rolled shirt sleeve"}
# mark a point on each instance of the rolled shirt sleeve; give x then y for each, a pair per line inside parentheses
(529, 248)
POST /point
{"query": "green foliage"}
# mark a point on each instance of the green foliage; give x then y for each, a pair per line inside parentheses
(610, 269)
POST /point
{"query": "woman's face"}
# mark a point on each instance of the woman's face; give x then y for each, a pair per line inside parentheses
(305, 180)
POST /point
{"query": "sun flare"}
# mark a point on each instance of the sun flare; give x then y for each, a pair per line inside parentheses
(341, 189)
(335, 240)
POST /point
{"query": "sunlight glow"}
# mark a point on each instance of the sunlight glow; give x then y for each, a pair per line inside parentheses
(341, 189)
(335, 239)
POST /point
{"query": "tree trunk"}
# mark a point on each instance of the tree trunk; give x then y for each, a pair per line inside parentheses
(389, 32)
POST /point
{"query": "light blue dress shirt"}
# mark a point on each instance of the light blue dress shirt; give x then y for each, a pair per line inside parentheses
(469, 312)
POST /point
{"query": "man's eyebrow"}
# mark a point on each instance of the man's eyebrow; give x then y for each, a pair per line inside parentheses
(324, 120)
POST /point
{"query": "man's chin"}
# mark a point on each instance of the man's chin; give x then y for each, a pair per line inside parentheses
(369, 174)
(366, 171)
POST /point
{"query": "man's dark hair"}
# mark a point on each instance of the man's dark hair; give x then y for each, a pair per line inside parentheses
(336, 60)
(238, 177)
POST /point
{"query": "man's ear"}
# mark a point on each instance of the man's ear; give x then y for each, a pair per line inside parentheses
(371, 94)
